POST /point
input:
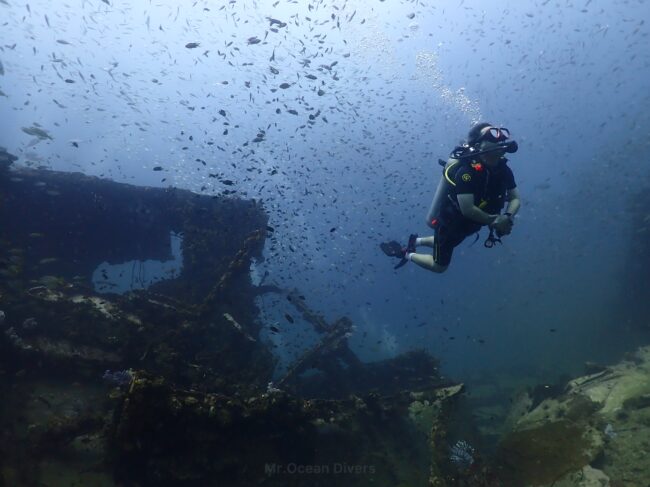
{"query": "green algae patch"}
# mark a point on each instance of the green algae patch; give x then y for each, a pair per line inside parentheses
(543, 454)
(423, 414)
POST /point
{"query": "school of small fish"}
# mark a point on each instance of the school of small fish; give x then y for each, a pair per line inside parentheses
(330, 111)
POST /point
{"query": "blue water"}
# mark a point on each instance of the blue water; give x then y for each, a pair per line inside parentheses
(356, 164)
(139, 274)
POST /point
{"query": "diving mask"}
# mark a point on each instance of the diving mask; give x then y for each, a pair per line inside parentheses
(494, 134)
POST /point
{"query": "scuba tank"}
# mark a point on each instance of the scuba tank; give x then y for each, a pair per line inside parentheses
(459, 154)
(441, 191)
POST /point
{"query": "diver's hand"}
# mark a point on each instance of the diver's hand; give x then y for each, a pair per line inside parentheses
(502, 224)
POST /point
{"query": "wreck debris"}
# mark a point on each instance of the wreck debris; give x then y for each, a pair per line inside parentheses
(193, 339)
(239, 265)
(308, 315)
(45, 293)
(61, 431)
(333, 338)
(238, 327)
(6, 159)
(60, 352)
(230, 448)
(343, 373)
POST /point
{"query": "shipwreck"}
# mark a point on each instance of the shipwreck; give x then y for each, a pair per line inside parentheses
(131, 353)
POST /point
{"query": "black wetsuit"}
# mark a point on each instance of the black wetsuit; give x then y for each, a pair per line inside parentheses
(489, 187)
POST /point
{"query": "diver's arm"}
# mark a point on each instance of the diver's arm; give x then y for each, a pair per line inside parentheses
(514, 203)
(473, 212)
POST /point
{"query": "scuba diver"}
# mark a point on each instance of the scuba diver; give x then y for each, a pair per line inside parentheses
(476, 184)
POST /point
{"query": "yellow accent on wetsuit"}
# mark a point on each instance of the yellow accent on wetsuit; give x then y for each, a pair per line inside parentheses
(447, 171)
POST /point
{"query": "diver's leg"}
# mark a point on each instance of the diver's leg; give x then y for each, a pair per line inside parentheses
(425, 241)
(426, 261)
(442, 243)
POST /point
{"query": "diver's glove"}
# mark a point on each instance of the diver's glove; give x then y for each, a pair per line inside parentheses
(511, 146)
(502, 224)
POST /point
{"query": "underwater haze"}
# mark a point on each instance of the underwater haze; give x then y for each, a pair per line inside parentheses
(334, 114)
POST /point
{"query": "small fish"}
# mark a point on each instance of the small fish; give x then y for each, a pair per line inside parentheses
(227, 182)
(253, 40)
(62, 41)
(192, 45)
(289, 318)
(310, 76)
(273, 70)
(158, 168)
(284, 86)
(333, 229)
(2, 69)
(37, 132)
(222, 113)
(274, 329)
(68, 80)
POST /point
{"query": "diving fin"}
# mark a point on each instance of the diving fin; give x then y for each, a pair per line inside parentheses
(401, 263)
(410, 247)
(392, 249)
